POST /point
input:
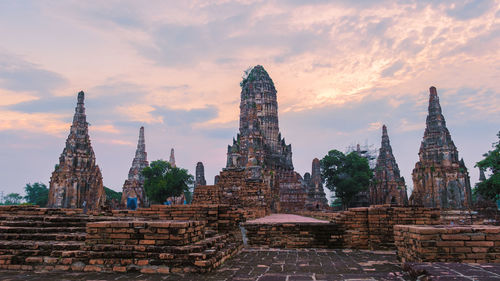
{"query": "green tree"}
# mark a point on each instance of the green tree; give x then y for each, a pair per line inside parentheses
(346, 175)
(13, 199)
(37, 194)
(111, 194)
(189, 196)
(163, 181)
(490, 188)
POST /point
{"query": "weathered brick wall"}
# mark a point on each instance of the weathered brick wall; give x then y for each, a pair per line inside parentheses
(206, 194)
(155, 247)
(355, 222)
(292, 193)
(372, 227)
(294, 235)
(218, 217)
(382, 219)
(470, 244)
(171, 233)
(253, 197)
(459, 217)
(12, 210)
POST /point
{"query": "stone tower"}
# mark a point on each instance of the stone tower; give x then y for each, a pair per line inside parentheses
(387, 186)
(172, 158)
(260, 152)
(200, 175)
(439, 178)
(134, 185)
(316, 197)
(77, 178)
(259, 142)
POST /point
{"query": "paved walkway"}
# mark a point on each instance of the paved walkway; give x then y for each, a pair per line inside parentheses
(295, 265)
(263, 265)
(440, 271)
(283, 218)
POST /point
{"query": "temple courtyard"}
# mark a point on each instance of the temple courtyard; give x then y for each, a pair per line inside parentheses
(297, 264)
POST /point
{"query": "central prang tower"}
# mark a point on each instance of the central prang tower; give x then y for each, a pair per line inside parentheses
(259, 175)
(259, 142)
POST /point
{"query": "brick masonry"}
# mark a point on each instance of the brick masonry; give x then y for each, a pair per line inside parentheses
(372, 227)
(294, 235)
(44, 239)
(469, 244)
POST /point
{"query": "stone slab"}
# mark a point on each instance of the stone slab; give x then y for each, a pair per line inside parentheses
(285, 218)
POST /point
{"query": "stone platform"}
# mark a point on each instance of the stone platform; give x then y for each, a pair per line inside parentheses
(285, 218)
(292, 231)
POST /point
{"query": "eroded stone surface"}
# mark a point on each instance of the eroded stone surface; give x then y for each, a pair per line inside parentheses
(440, 179)
(134, 185)
(387, 186)
(77, 178)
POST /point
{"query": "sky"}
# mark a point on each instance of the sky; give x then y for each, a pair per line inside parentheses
(341, 69)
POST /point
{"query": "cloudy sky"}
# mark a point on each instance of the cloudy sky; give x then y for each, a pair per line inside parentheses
(341, 68)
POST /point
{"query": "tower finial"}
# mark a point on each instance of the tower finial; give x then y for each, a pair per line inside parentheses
(81, 97)
(172, 158)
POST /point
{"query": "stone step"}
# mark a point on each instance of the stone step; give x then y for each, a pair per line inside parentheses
(74, 218)
(43, 224)
(61, 236)
(30, 245)
(22, 229)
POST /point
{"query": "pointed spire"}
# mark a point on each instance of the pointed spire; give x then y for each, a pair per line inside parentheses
(78, 178)
(435, 119)
(80, 119)
(388, 186)
(140, 160)
(141, 144)
(440, 179)
(315, 171)
(385, 138)
(436, 134)
(172, 158)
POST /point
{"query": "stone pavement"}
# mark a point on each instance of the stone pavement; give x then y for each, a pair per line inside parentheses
(263, 265)
(440, 271)
(285, 218)
(295, 265)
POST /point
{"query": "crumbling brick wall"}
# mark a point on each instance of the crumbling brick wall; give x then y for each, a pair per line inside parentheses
(469, 244)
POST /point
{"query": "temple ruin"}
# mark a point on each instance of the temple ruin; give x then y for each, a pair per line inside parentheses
(77, 181)
(259, 171)
(316, 197)
(200, 175)
(134, 185)
(440, 179)
(171, 160)
(387, 186)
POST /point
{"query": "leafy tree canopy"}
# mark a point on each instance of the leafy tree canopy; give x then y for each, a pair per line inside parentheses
(111, 194)
(163, 181)
(13, 199)
(346, 175)
(490, 188)
(37, 194)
